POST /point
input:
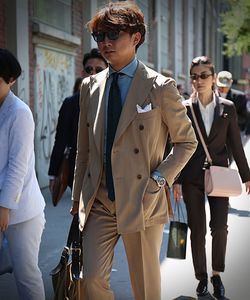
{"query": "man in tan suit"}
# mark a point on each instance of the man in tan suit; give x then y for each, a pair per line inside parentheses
(126, 114)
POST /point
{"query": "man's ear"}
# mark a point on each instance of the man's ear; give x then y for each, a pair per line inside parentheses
(12, 81)
(137, 38)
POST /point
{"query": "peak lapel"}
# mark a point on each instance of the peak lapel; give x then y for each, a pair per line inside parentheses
(98, 110)
(140, 87)
(218, 110)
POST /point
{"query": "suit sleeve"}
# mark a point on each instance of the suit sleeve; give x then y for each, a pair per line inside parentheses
(234, 140)
(20, 150)
(62, 137)
(82, 143)
(181, 132)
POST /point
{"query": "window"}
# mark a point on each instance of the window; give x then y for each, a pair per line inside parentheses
(56, 13)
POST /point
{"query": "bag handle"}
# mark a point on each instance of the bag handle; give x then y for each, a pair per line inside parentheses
(180, 212)
(209, 159)
(73, 247)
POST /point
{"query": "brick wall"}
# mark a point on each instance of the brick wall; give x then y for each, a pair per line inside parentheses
(77, 30)
(2, 25)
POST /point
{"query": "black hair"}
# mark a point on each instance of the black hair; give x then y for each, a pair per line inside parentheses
(94, 53)
(9, 66)
(202, 60)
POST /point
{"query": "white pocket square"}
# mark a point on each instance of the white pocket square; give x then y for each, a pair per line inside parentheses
(145, 109)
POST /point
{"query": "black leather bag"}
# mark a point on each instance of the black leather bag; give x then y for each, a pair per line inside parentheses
(67, 275)
(177, 241)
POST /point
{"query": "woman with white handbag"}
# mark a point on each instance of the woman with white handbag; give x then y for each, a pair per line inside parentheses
(215, 122)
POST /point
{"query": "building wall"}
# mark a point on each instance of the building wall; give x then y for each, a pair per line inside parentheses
(178, 30)
(2, 24)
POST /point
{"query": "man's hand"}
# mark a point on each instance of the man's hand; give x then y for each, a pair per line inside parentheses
(177, 192)
(247, 184)
(51, 184)
(4, 218)
(74, 209)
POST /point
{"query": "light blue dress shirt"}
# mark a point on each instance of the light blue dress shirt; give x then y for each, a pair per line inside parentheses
(124, 82)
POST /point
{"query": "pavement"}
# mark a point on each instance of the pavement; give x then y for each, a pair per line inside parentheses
(178, 281)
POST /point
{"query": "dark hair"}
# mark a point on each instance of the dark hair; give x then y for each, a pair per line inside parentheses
(77, 85)
(202, 60)
(94, 53)
(124, 15)
(9, 66)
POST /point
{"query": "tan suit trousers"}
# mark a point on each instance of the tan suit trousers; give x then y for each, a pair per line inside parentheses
(142, 249)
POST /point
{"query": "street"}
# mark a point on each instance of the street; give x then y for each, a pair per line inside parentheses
(177, 275)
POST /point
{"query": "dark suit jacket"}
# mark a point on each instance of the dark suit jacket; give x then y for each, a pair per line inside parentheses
(66, 135)
(224, 133)
(240, 102)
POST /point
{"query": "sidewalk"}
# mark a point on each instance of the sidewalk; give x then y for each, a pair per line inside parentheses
(177, 275)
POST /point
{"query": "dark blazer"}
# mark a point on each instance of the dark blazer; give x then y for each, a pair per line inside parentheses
(224, 133)
(66, 135)
(240, 101)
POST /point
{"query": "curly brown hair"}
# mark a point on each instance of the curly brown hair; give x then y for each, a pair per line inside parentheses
(124, 16)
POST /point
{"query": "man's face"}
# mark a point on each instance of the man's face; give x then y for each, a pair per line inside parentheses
(119, 52)
(93, 66)
(223, 90)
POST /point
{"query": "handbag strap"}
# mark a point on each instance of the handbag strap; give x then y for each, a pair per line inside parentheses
(209, 159)
(180, 212)
(74, 231)
(73, 247)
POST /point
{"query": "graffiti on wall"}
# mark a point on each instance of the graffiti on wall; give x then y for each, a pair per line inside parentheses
(54, 79)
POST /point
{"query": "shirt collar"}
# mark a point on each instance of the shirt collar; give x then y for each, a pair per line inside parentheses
(128, 70)
(212, 104)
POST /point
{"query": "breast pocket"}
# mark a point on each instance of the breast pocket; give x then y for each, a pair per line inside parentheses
(153, 113)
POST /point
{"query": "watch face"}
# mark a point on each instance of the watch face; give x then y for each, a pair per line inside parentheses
(161, 181)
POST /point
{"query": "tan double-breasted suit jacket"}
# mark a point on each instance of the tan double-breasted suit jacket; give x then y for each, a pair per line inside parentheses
(138, 148)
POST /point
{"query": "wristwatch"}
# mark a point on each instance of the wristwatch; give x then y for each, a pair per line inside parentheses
(158, 178)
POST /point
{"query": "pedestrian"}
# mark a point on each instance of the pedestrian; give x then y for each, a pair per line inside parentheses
(21, 202)
(67, 126)
(126, 113)
(224, 83)
(217, 120)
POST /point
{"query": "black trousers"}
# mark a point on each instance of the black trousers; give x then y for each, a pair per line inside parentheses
(194, 198)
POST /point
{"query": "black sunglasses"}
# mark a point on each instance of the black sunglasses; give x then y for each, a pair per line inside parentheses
(99, 36)
(202, 76)
(90, 69)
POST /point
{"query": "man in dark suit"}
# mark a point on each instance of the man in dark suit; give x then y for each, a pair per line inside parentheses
(67, 126)
(224, 83)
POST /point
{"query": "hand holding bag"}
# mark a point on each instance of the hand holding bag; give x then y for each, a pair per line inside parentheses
(5, 260)
(218, 181)
(177, 241)
(61, 181)
(67, 275)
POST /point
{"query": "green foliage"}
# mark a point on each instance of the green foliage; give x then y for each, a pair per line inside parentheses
(236, 27)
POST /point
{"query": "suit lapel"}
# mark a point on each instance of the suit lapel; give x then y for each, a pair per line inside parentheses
(98, 110)
(218, 110)
(140, 87)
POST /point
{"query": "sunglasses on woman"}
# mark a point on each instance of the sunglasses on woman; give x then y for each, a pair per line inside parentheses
(90, 69)
(99, 36)
(202, 76)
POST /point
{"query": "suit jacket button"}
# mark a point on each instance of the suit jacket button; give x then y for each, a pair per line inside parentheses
(141, 127)
(136, 150)
(139, 176)
(88, 174)
(88, 124)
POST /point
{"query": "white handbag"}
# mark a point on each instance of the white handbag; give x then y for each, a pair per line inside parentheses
(218, 181)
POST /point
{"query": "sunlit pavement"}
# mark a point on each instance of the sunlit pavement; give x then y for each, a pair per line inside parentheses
(178, 280)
